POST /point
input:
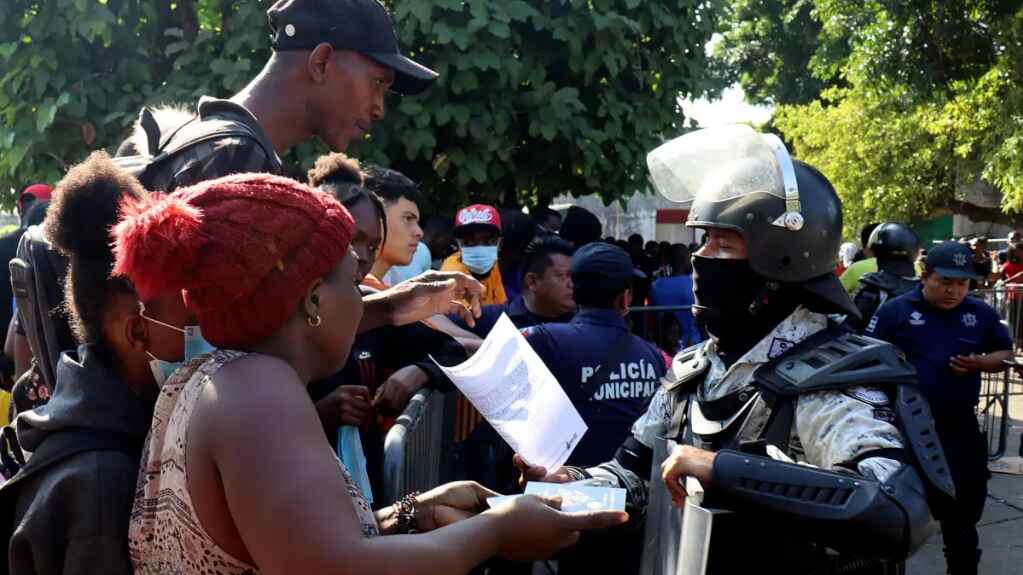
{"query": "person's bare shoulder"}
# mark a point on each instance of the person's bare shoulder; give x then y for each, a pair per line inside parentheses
(253, 393)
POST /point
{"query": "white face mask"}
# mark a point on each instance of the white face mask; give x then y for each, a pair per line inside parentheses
(195, 345)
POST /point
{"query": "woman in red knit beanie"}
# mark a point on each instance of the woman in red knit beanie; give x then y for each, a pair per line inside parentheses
(238, 476)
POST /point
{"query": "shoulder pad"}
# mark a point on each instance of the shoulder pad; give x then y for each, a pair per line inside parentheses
(835, 359)
(689, 364)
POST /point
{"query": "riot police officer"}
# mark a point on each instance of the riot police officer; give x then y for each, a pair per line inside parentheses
(775, 383)
(895, 246)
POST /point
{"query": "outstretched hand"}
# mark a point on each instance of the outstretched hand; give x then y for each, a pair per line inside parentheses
(435, 292)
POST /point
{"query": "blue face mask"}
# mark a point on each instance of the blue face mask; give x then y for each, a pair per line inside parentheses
(195, 346)
(479, 259)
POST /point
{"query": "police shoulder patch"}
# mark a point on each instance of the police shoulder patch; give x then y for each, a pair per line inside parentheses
(873, 396)
(778, 347)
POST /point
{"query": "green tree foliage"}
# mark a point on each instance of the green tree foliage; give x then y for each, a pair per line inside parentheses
(536, 97)
(776, 51)
(921, 103)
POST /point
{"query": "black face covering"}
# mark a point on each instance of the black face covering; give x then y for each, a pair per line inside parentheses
(735, 304)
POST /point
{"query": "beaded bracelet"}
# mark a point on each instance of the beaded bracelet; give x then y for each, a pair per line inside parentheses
(405, 509)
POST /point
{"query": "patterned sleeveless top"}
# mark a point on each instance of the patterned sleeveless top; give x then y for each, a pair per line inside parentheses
(166, 535)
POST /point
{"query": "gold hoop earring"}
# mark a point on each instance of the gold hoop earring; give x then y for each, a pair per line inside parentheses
(314, 321)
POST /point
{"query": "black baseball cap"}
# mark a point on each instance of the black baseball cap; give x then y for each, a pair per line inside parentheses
(362, 26)
(604, 265)
(951, 260)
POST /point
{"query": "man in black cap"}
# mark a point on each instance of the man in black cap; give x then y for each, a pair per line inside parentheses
(609, 374)
(950, 339)
(333, 62)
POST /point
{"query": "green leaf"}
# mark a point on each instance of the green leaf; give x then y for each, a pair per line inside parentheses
(175, 47)
(500, 29)
(487, 59)
(460, 114)
(443, 33)
(7, 49)
(464, 81)
(14, 156)
(422, 11)
(518, 10)
(45, 114)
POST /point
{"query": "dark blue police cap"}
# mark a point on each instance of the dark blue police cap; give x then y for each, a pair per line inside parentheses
(599, 262)
(951, 260)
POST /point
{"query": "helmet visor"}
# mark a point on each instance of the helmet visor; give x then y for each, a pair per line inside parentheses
(716, 164)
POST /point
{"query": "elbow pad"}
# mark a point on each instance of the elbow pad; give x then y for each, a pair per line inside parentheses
(635, 457)
(847, 512)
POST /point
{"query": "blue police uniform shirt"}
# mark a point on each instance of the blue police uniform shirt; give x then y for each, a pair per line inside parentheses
(678, 290)
(517, 312)
(930, 337)
(573, 351)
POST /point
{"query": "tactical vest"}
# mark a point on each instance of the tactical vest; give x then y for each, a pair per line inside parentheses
(762, 413)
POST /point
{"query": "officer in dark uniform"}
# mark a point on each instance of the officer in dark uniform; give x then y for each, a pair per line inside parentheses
(607, 372)
(895, 246)
(809, 433)
(951, 338)
(546, 289)
(610, 375)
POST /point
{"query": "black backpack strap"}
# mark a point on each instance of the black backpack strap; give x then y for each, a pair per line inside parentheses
(37, 277)
(152, 130)
(196, 132)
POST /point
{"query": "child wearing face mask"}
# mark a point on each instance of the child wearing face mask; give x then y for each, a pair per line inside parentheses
(478, 235)
(74, 494)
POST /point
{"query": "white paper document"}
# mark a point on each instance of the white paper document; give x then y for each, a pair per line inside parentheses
(515, 392)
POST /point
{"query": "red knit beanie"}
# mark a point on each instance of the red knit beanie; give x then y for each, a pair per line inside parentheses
(244, 248)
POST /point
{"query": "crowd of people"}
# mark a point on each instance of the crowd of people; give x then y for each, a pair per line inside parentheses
(225, 335)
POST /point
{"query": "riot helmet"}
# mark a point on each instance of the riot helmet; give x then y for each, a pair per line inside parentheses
(789, 214)
(895, 246)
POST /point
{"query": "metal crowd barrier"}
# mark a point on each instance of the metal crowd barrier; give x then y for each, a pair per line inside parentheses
(646, 323)
(993, 410)
(412, 448)
(998, 389)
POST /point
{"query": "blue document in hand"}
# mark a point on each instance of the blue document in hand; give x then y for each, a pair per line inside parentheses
(575, 497)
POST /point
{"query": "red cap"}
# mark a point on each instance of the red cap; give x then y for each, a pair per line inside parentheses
(38, 191)
(478, 215)
(244, 248)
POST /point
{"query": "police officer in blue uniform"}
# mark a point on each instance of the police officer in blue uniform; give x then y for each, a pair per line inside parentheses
(607, 372)
(950, 338)
(610, 375)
